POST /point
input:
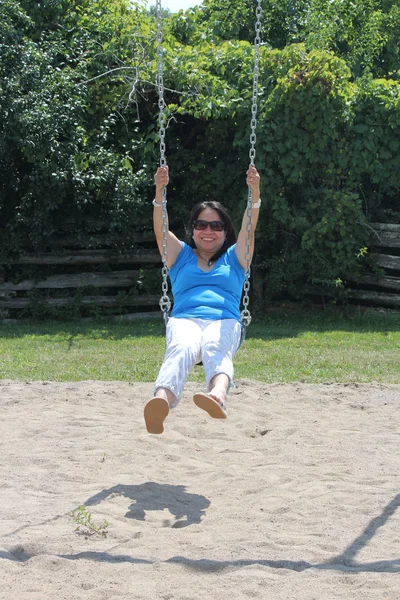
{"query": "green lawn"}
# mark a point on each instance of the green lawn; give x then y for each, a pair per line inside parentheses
(307, 347)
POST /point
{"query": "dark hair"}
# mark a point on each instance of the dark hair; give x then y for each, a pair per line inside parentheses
(230, 237)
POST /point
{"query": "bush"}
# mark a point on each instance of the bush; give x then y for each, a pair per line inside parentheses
(78, 125)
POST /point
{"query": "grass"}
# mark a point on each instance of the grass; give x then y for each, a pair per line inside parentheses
(325, 347)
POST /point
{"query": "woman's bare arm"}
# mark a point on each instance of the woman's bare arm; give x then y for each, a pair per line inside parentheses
(253, 181)
(173, 245)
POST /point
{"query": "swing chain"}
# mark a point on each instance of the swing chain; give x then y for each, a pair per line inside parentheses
(245, 314)
(165, 302)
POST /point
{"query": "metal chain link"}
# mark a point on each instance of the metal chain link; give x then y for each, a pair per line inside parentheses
(245, 314)
(165, 302)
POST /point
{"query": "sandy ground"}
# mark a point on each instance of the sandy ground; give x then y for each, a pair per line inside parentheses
(295, 496)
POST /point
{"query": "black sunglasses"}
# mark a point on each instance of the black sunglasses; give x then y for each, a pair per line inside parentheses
(201, 225)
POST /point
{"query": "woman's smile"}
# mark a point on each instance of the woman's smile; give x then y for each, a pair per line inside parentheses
(207, 239)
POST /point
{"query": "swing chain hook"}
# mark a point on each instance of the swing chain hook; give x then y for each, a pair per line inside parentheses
(245, 314)
(165, 302)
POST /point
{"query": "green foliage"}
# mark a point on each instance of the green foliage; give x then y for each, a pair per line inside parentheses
(217, 21)
(373, 150)
(65, 146)
(85, 524)
(313, 223)
(364, 33)
(78, 124)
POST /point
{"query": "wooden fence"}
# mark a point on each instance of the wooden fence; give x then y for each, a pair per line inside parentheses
(88, 280)
(103, 280)
(383, 290)
(379, 286)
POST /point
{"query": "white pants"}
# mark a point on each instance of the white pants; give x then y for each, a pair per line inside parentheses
(190, 341)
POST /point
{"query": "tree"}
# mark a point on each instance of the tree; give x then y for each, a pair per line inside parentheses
(364, 33)
(68, 144)
(79, 108)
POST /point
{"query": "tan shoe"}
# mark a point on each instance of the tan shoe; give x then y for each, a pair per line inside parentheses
(155, 413)
(206, 402)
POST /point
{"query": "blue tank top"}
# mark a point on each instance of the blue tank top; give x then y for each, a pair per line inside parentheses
(211, 295)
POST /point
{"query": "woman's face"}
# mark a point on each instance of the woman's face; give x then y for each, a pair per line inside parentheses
(210, 239)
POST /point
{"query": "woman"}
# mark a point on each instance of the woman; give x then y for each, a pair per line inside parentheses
(207, 276)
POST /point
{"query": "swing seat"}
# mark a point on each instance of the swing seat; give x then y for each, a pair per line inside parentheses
(242, 338)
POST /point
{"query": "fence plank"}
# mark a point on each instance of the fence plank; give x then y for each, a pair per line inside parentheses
(77, 280)
(100, 239)
(395, 227)
(388, 239)
(380, 298)
(391, 283)
(105, 301)
(388, 261)
(86, 257)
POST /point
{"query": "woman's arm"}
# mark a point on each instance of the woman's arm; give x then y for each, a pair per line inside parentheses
(253, 181)
(174, 246)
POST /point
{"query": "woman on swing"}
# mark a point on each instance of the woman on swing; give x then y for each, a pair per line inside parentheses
(207, 275)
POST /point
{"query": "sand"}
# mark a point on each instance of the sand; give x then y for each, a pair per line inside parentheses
(294, 496)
